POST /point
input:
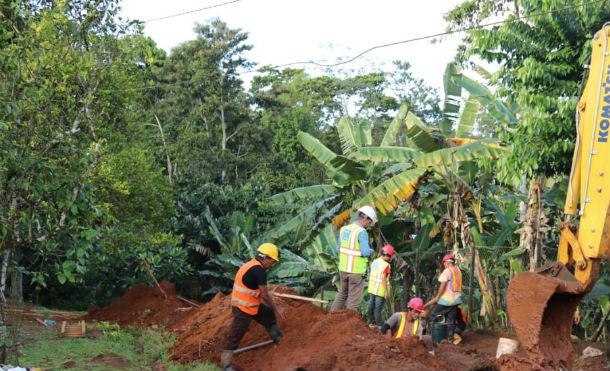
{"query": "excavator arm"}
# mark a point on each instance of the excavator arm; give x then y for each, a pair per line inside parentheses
(541, 305)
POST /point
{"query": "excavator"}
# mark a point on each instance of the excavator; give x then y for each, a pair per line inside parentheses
(541, 304)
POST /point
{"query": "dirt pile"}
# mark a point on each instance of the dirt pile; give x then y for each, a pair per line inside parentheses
(313, 340)
(142, 305)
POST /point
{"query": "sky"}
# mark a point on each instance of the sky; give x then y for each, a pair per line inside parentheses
(285, 31)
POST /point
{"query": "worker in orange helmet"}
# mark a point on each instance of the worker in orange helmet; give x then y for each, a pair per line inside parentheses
(448, 298)
(409, 323)
(379, 284)
(251, 300)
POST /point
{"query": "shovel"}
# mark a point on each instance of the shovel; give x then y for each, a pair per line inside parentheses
(253, 346)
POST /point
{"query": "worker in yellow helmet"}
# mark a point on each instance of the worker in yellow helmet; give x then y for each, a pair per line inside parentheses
(354, 251)
(250, 300)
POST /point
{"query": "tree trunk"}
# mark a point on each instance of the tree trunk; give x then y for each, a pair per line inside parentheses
(460, 220)
(535, 225)
(168, 160)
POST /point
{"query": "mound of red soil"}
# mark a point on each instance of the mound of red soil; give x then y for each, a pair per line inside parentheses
(142, 306)
(313, 340)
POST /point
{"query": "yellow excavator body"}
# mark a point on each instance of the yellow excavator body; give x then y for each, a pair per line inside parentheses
(541, 305)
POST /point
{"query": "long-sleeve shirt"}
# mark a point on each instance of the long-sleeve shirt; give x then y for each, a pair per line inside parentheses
(363, 240)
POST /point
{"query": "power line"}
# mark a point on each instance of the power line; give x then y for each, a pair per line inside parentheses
(191, 11)
(434, 36)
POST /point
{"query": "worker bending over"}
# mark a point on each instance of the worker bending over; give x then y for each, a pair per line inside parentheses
(379, 284)
(250, 300)
(353, 252)
(448, 297)
(409, 323)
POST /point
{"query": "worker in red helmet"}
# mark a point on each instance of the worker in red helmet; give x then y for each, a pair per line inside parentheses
(448, 298)
(409, 323)
(379, 284)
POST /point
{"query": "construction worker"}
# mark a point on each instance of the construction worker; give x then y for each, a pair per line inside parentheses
(379, 279)
(353, 252)
(409, 323)
(250, 300)
(448, 298)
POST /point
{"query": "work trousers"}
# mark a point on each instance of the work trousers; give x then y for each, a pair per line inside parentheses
(450, 314)
(241, 322)
(375, 308)
(351, 287)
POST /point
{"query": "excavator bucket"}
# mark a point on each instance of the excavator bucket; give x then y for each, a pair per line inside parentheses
(541, 308)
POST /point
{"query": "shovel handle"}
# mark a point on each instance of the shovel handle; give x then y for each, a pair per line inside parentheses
(253, 346)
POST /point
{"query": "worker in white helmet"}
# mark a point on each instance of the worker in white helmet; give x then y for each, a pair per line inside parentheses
(354, 251)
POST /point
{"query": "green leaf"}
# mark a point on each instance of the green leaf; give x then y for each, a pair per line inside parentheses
(512, 253)
(453, 92)
(355, 169)
(470, 151)
(392, 133)
(316, 149)
(419, 134)
(384, 195)
(349, 140)
(468, 118)
(386, 154)
(303, 193)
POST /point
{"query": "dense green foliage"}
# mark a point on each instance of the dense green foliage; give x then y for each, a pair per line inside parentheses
(115, 154)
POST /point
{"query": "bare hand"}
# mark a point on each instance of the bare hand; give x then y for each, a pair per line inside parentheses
(281, 312)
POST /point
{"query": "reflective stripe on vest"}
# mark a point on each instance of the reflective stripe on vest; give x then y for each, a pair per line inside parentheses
(377, 280)
(456, 279)
(247, 300)
(350, 258)
(403, 324)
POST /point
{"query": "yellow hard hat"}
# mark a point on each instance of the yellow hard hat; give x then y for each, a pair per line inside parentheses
(270, 250)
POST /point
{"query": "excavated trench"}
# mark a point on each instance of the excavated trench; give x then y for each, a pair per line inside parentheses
(313, 339)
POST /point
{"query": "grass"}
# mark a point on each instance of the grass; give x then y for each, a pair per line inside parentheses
(135, 349)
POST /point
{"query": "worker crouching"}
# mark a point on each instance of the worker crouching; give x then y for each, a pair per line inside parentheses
(409, 323)
(250, 300)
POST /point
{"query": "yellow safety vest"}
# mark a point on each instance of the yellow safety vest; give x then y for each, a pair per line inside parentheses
(378, 282)
(350, 260)
(403, 323)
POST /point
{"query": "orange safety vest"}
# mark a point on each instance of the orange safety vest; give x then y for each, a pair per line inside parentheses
(403, 324)
(247, 300)
(456, 279)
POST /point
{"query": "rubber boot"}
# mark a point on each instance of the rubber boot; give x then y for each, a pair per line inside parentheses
(275, 333)
(226, 357)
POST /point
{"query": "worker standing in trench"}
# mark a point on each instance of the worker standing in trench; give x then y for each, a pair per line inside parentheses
(379, 284)
(409, 323)
(448, 298)
(354, 251)
(250, 300)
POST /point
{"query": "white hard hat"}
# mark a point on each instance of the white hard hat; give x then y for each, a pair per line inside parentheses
(369, 211)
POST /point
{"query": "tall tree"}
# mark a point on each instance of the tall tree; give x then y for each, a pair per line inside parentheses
(541, 49)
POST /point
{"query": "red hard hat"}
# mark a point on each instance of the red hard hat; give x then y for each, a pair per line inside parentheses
(449, 257)
(416, 304)
(388, 250)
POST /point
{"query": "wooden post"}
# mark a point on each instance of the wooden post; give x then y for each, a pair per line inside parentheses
(152, 275)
